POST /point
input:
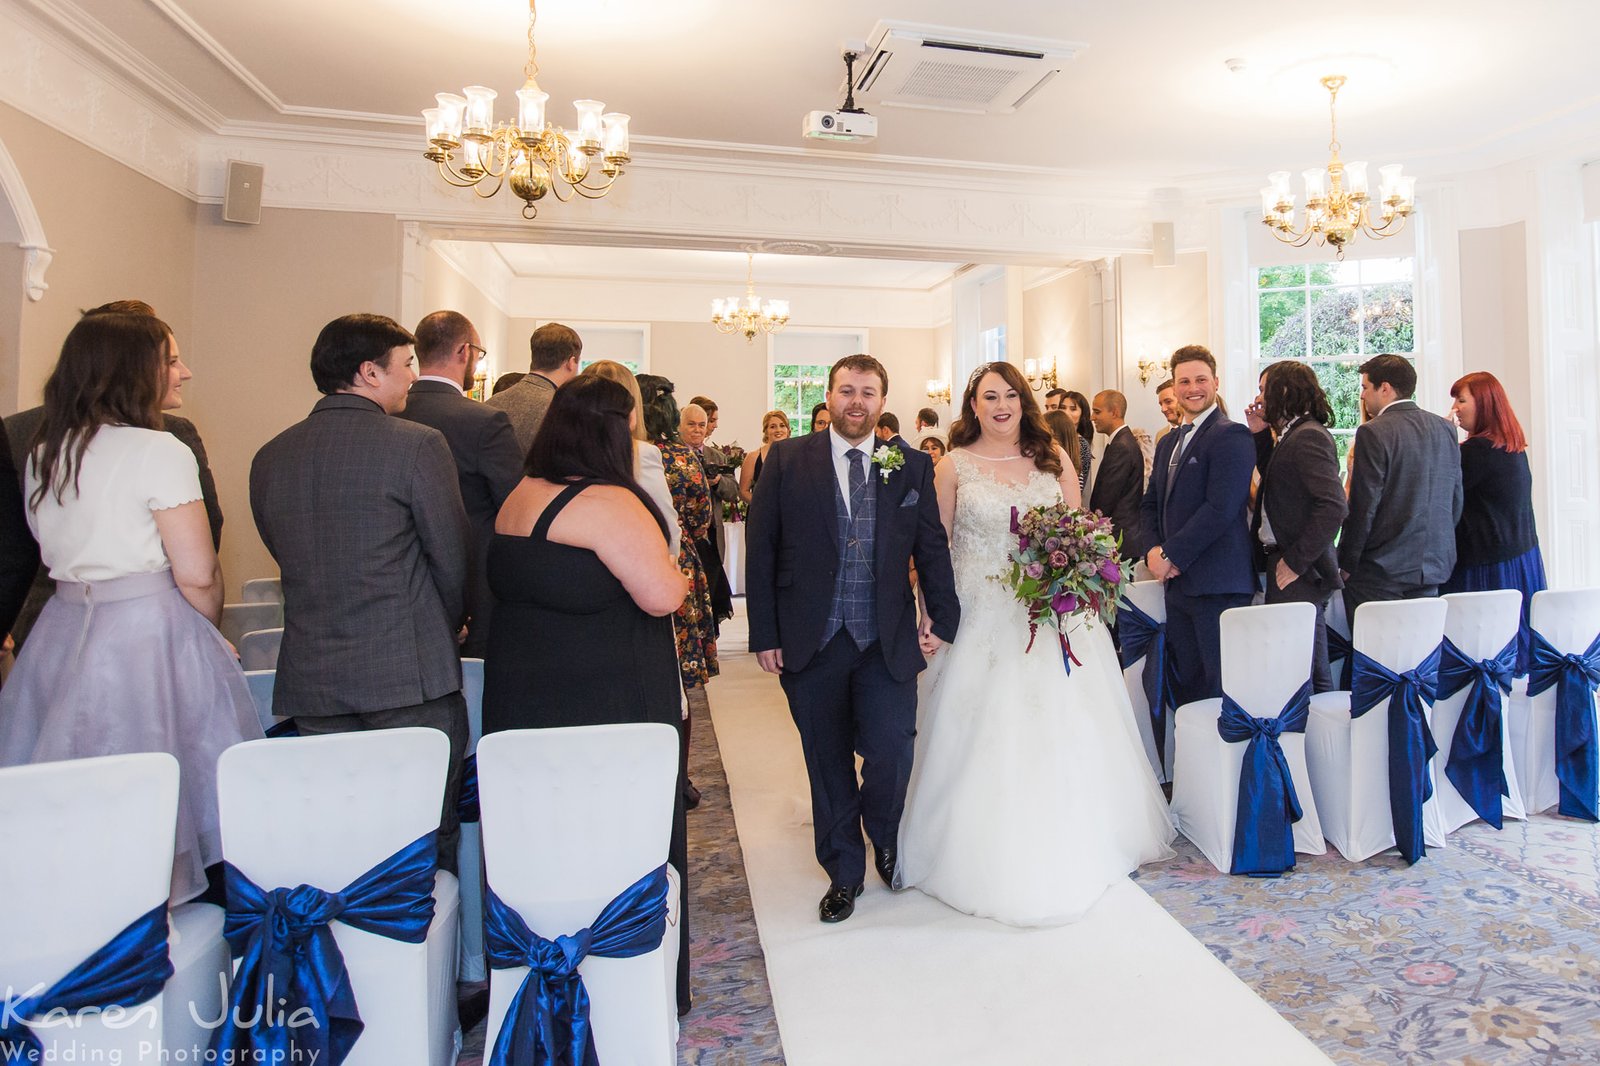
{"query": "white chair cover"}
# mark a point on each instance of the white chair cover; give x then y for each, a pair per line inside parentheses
(1480, 624)
(258, 649)
(1349, 758)
(469, 856)
(241, 618)
(76, 876)
(322, 811)
(1568, 619)
(263, 590)
(261, 682)
(571, 818)
(1266, 654)
(1151, 598)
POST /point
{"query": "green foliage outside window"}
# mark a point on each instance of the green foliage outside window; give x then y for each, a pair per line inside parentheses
(796, 388)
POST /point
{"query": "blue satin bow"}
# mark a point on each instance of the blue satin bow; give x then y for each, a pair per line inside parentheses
(1263, 826)
(1576, 677)
(547, 1023)
(291, 998)
(1143, 637)
(1339, 647)
(1477, 759)
(131, 968)
(467, 803)
(1410, 741)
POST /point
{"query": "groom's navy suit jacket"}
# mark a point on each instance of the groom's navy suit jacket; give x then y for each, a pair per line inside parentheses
(1202, 524)
(792, 555)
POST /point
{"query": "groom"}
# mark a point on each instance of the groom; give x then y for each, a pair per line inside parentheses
(832, 533)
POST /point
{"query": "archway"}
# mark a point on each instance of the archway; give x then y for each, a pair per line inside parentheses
(24, 257)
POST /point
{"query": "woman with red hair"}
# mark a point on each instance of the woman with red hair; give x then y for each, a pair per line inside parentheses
(1497, 546)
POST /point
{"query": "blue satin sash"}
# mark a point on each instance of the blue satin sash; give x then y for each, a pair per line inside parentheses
(1576, 677)
(467, 803)
(547, 1023)
(1410, 741)
(291, 978)
(1142, 637)
(1477, 759)
(1339, 647)
(1263, 825)
(131, 968)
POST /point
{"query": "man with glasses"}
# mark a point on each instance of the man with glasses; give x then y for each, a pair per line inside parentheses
(488, 461)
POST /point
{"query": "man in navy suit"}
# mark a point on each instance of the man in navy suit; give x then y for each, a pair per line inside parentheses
(1196, 532)
(832, 533)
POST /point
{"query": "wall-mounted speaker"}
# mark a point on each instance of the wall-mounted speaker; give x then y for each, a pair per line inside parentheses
(1162, 244)
(241, 200)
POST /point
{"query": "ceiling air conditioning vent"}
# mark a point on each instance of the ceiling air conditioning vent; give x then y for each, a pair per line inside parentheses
(941, 69)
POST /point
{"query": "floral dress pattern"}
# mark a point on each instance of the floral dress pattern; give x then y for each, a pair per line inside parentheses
(694, 625)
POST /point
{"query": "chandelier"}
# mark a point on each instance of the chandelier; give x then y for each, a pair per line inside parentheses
(474, 153)
(1338, 203)
(751, 317)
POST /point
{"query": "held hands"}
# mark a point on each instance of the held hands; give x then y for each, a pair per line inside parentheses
(925, 637)
(1160, 566)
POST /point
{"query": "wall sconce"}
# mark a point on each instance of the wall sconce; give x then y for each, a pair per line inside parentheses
(1148, 369)
(1040, 378)
(480, 379)
(938, 390)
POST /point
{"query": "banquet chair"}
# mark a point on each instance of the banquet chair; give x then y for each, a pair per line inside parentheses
(1570, 621)
(258, 649)
(1349, 756)
(1339, 647)
(323, 811)
(1151, 598)
(1266, 656)
(261, 683)
(262, 590)
(469, 856)
(90, 846)
(571, 818)
(241, 618)
(1481, 625)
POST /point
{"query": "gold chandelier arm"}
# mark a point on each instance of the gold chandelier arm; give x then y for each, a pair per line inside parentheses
(448, 172)
(479, 186)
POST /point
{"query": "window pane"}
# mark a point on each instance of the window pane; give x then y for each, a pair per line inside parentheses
(1335, 317)
(1283, 324)
(1280, 277)
(1341, 445)
(1378, 270)
(1342, 382)
(1388, 312)
(1322, 274)
(1339, 273)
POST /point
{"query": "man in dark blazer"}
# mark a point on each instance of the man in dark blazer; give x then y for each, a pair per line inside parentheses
(1399, 541)
(1301, 501)
(554, 351)
(831, 538)
(488, 461)
(19, 552)
(1196, 533)
(1119, 479)
(363, 514)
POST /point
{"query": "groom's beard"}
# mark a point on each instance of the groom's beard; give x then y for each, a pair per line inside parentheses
(853, 427)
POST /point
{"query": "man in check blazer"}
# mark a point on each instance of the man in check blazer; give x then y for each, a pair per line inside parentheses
(1196, 533)
(554, 350)
(488, 461)
(1119, 476)
(831, 538)
(363, 514)
(1399, 541)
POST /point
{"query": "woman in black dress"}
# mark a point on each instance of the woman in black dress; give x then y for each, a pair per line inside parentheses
(774, 427)
(584, 591)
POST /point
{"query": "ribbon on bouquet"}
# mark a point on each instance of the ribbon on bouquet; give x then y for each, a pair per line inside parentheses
(1576, 678)
(1263, 825)
(1144, 638)
(1411, 743)
(1476, 766)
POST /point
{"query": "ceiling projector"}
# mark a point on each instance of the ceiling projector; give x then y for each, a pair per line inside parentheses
(840, 125)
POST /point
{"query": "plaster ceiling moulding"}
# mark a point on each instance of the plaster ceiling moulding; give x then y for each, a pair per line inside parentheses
(940, 68)
(793, 248)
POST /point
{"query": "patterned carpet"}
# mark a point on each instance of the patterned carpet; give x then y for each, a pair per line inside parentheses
(1484, 952)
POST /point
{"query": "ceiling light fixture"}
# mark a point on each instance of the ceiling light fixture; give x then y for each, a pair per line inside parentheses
(752, 317)
(534, 157)
(1338, 205)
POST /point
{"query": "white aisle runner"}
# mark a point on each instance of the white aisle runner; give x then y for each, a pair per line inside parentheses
(906, 980)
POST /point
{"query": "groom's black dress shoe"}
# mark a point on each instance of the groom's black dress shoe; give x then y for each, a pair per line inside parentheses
(884, 859)
(839, 903)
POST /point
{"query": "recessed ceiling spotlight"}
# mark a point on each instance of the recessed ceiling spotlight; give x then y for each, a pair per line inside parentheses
(1237, 65)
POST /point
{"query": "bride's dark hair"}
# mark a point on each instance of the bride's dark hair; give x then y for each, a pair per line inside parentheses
(1034, 437)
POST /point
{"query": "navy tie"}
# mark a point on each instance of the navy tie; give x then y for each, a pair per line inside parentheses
(858, 480)
(1177, 459)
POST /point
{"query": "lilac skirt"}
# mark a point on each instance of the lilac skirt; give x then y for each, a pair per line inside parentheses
(1525, 573)
(126, 666)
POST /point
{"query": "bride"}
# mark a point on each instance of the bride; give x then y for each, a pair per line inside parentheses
(1030, 793)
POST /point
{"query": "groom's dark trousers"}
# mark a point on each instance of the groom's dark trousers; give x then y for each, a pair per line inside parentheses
(827, 582)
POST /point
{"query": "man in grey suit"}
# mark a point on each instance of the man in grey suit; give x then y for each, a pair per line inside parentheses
(488, 461)
(724, 486)
(1399, 539)
(363, 514)
(554, 351)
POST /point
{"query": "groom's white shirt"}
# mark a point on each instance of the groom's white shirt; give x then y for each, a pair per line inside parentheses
(841, 460)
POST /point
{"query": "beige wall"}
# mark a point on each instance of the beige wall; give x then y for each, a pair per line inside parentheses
(1058, 323)
(1163, 308)
(1494, 309)
(445, 288)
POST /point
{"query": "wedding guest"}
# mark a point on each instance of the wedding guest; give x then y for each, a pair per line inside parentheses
(505, 381)
(1119, 483)
(1055, 399)
(1171, 409)
(126, 656)
(648, 470)
(692, 424)
(1301, 501)
(363, 514)
(820, 417)
(488, 461)
(586, 590)
(934, 447)
(888, 427)
(1194, 529)
(1399, 540)
(1064, 428)
(927, 419)
(1076, 405)
(553, 351)
(724, 480)
(774, 427)
(1497, 546)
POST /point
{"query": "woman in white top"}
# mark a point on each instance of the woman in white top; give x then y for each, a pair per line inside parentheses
(126, 656)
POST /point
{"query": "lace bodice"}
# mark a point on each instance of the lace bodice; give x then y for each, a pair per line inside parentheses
(981, 534)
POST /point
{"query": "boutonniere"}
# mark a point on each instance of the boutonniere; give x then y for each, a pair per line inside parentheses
(888, 459)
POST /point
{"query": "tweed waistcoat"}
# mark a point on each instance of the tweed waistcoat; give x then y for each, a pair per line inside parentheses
(855, 600)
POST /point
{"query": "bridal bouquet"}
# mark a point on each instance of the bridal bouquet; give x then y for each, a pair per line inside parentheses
(1065, 563)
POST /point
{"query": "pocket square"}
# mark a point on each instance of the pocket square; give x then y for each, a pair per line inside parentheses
(1192, 461)
(911, 499)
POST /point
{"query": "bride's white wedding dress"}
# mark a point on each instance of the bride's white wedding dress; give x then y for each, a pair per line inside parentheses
(1030, 793)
